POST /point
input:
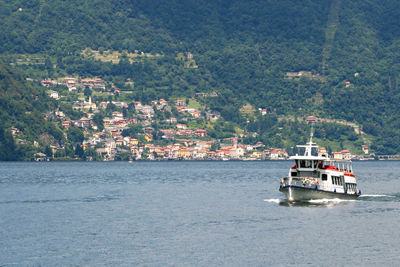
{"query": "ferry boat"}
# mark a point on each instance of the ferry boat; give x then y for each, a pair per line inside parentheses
(319, 177)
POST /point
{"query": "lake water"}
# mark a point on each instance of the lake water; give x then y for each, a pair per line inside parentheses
(190, 213)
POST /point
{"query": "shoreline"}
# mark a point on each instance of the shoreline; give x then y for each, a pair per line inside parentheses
(182, 160)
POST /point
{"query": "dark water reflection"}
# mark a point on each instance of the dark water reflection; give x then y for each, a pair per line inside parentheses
(190, 213)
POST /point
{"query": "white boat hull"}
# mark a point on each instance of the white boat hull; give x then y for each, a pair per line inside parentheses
(298, 193)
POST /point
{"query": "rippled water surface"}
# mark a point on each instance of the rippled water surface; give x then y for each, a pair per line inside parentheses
(191, 213)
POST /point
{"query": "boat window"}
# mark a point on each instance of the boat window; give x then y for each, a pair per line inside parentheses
(324, 177)
(294, 174)
(351, 186)
(306, 163)
(302, 163)
(337, 180)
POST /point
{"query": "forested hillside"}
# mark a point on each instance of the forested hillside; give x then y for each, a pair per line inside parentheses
(22, 107)
(242, 51)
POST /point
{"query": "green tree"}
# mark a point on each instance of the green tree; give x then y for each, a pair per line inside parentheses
(8, 150)
(79, 151)
(75, 135)
(98, 119)
(87, 92)
(48, 151)
(133, 130)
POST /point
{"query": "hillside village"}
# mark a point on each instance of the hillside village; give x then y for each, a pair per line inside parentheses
(132, 130)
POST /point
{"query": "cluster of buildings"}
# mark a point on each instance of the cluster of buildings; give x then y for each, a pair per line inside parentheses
(305, 74)
(185, 149)
(346, 154)
(183, 142)
(180, 141)
(74, 83)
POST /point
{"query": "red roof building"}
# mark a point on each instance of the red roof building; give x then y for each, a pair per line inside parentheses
(200, 132)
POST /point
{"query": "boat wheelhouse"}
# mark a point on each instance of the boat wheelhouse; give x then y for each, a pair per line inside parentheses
(319, 177)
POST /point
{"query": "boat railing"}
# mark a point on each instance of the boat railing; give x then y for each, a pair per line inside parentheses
(307, 182)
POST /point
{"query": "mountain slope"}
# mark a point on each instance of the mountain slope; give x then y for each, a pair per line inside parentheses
(243, 50)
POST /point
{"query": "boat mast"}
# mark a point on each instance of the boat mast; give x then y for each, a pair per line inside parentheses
(309, 146)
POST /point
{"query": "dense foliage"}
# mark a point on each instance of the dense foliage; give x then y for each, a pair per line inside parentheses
(242, 49)
(22, 106)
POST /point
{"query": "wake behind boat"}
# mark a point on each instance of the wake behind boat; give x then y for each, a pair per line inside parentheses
(319, 177)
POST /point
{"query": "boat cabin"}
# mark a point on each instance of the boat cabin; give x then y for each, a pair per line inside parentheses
(324, 173)
(307, 166)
